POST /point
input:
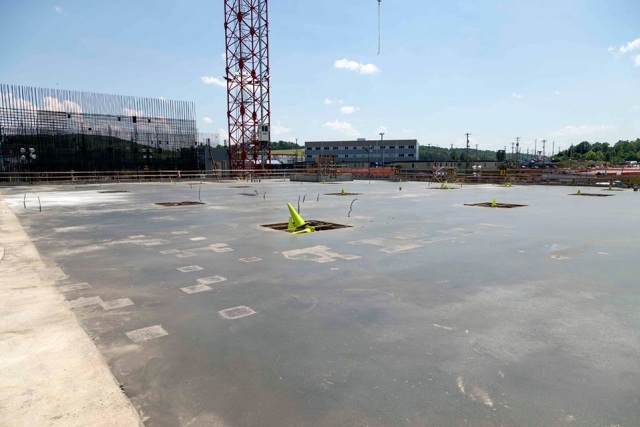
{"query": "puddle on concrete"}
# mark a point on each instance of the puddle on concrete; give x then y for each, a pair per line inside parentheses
(318, 225)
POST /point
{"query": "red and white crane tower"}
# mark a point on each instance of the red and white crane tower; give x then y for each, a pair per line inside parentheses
(246, 27)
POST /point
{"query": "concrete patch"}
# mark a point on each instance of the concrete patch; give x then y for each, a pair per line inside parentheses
(148, 333)
(189, 268)
(197, 239)
(251, 259)
(140, 236)
(319, 254)
(84, 302)
(385, 245)
(179, 232)
(170, 252)
(153, 244)
(195, 289)
(218, 245)
(211, 280)
(117, 303)
(236, 312)
(185, 254)
(75, 287)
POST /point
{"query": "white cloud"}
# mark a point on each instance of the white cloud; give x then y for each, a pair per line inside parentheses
(332, 101)
(355, 66)
(163, 99)
(58, 9)
(278, 129)
(636, 61)
(349, 110)
(558, 93)
(611, 49)
(579, 130)
(214, 81)
(515, 95)
(631, 46)
(343, 128)
(224, 57)
(207, 120)
(54, 104)
(381, 129)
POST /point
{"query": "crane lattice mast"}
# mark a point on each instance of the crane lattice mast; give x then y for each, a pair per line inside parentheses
(247, 75)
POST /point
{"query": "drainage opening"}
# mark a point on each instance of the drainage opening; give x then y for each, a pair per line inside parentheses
(241, 186)
(113, 191)
(591, 195)
(498, 205)
(179, 203)
(343, 194)
(318, 225)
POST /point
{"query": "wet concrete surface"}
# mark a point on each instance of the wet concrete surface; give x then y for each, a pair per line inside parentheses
(425, 313)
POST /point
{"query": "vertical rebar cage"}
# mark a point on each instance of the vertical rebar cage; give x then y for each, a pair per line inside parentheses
(247, 75)
(61, 130)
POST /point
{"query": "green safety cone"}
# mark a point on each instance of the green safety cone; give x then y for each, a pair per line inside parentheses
(342, 191)
(290, 224)
(579, 193)
(493, 203)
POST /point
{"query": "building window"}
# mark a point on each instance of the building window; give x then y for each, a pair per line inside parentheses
(402, 146)
(309, 156)
(346, 155)
(400, 155)
(309, 148)
(412, 155)
(391, 147)
(382, 147)
(412, 146)
(346, 148)
(317, 148)
(335, 148)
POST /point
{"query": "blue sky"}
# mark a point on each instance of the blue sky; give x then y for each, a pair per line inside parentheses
(561, 70)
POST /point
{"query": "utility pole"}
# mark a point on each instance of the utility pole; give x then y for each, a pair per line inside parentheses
(467, 163)
(535, 147)
(476, 151)
(513, 144)
(553, 148)
(517, 152)
(544, 142)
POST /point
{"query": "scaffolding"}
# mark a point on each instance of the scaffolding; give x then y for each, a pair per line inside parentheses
(59, 130)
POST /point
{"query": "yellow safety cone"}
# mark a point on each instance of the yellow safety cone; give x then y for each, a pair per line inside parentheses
(300, 226)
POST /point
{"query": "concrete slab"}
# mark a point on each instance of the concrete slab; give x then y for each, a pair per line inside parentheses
(51, 373)
(425, 312)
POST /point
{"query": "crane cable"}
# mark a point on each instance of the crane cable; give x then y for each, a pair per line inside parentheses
(379, 1)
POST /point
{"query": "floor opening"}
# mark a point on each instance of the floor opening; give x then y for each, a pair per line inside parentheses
(179, 203)
(591, 195)
(318, 225)
(497, 205)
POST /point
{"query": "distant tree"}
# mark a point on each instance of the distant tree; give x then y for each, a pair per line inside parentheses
(501, 155)
(591, 156)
